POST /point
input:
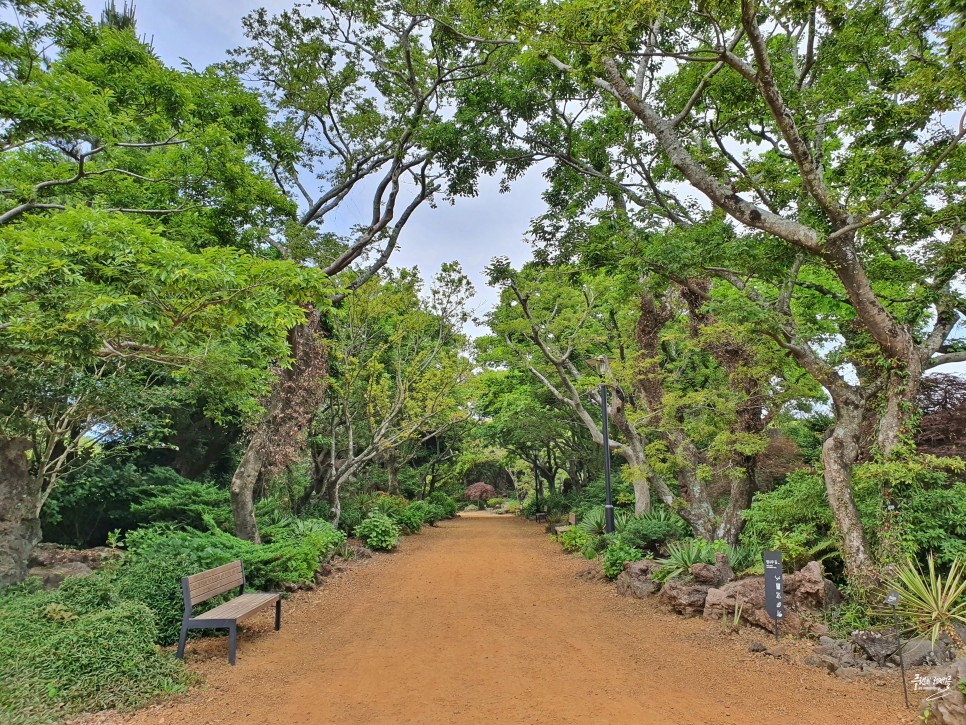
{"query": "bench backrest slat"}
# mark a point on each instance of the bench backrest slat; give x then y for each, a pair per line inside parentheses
(207, 584)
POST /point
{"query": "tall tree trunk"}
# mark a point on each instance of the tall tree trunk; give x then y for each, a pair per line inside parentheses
(19, 510)
(839, 453)
(242, 490)
(280, 434)
(332, 496)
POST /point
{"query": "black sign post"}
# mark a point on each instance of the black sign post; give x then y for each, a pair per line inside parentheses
(893, 601)
(774, 587)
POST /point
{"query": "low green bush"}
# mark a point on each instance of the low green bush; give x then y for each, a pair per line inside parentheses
(616, 555)
(594, 520)
(80, 648)
(389, 504)
(410, 519)
(448, 503)
(378, 531)
(350, 516)
(495, 503)
(574, 539)
(653, 530)
(431, 513)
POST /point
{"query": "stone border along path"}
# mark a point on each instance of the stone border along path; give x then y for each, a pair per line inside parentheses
(482, 620)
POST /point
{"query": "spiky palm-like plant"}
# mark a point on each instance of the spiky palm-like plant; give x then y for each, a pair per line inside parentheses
(929, 601)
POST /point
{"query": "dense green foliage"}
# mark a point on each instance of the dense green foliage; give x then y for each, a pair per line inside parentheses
(85, 647)
(159, 557)
(754, 262)
(378, 531)
(618, 554)
(653, 530)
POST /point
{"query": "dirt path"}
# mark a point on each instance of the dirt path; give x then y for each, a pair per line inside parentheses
(483, 621)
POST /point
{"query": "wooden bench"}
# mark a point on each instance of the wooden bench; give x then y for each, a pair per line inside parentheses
(205, 585)
(571, 522)
(540, 516)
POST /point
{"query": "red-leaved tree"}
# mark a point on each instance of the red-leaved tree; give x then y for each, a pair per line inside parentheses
(480, 492)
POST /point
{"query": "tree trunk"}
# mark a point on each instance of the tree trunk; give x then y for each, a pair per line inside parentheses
(242, 489)
(901, 393)
(332, 496)
(280, 435)
(743, 488)
(839, 453)
(392, 472)
(19, 510)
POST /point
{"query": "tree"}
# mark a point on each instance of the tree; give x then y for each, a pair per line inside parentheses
(123, 285)
(94, 309)
(479, 492)
(693, 395)
(398, 366)
(818, 132)
(362, 87)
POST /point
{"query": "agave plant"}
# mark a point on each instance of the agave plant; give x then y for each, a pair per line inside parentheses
(682, 555)
(929, 601)
(621, 518)
(594, 521)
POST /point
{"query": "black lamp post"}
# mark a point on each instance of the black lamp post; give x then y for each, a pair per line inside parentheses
(600, 363)
(609, 503)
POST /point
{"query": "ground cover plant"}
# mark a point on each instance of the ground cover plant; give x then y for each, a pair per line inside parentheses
(83, 647)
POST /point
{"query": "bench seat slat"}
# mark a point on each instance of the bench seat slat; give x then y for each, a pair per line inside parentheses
(240, 607)
(214, 588)
(213, 582)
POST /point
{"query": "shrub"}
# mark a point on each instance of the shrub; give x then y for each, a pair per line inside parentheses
(529, 507)
(595, 519)
(649, 532)
(495, 503)
(797, 549)
(594, 495)
(350, 516)
(432, 513)
(594, 546)
(171, 498)
(378, 531)
(410, 519)
(741, 557)
(557, 504)
(513, 507)
(681, 556)
(448, 503)
(573, 539)
(616, 555)
(389, 505)
(80, 648)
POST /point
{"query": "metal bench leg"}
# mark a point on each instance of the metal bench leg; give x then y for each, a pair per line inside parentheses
(278, 615)
(181, 641)
(232, 636)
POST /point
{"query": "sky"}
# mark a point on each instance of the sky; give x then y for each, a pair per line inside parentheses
(472, 231)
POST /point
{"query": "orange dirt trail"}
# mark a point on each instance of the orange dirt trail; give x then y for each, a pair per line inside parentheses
(482, 620)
